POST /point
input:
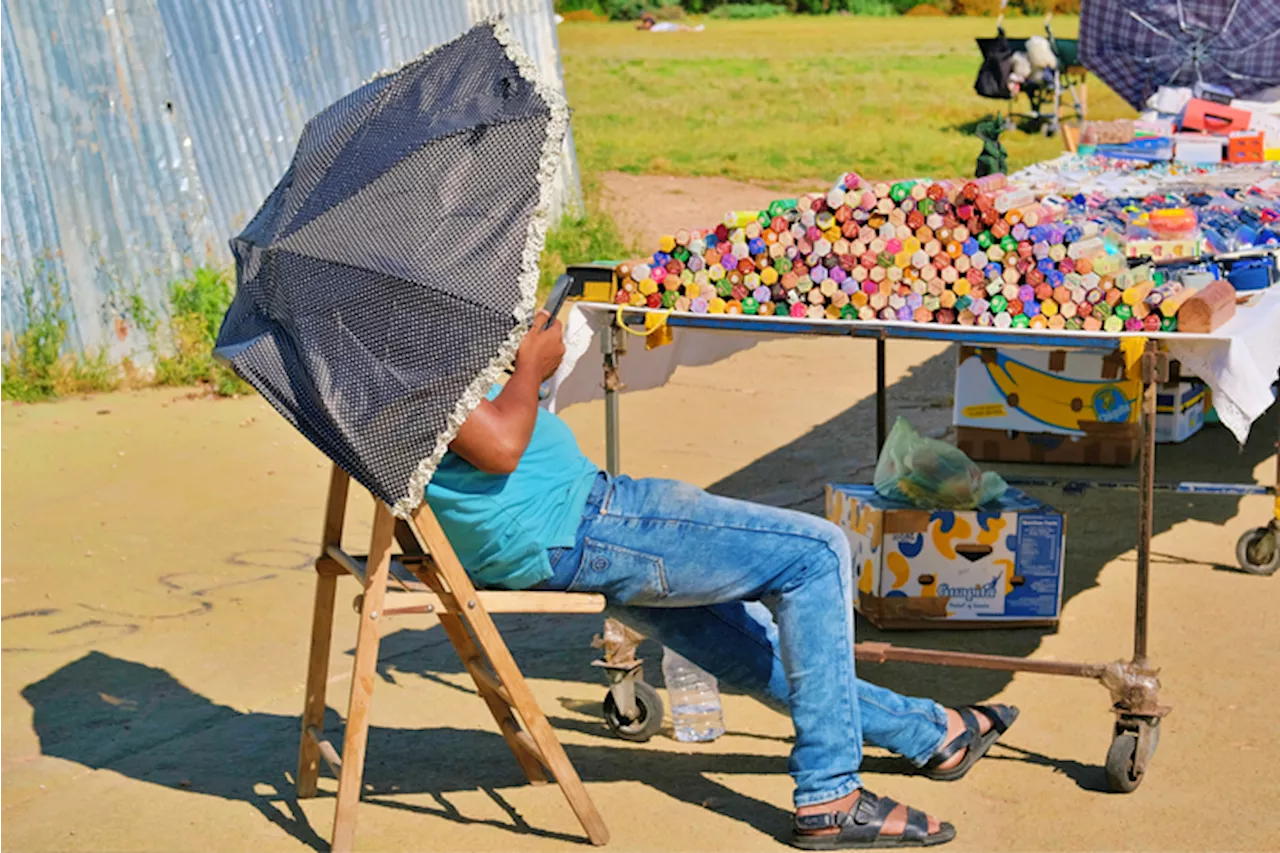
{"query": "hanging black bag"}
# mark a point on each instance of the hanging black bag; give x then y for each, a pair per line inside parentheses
(997, 61)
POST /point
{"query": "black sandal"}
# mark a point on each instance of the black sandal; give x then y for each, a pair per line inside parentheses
(972, 739)
(860, 828)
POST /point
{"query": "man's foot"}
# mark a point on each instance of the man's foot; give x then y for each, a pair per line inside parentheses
(971, 731)
(862, 819)
(955, 728)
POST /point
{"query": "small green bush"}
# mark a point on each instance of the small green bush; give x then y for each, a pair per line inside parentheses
(624, 10)
(35, 368)
(590, 235)
(198, 304)
(870, 8)
(748, 11)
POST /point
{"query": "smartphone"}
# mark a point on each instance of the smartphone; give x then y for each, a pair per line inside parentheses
(559, 293)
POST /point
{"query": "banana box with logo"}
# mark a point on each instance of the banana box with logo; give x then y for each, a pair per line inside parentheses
(914, 568)
(1014, 404)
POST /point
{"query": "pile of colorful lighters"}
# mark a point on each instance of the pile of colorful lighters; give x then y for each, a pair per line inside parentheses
(975, 252)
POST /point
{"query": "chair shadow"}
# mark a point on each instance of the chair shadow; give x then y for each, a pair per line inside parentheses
(107, 713)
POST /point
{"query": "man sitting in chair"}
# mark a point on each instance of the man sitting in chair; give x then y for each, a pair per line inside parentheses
(760, 597)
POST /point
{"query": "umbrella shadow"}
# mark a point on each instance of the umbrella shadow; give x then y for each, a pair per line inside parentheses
(108, 713)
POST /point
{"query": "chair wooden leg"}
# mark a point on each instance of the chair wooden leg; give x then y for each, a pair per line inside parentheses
(362, 679)
(317, 677)
(457, 633)
(467, 608)
(321, 635)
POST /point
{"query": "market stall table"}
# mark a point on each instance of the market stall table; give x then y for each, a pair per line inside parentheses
(1239, 361)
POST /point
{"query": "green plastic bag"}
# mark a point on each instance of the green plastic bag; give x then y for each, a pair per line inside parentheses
(932, 474)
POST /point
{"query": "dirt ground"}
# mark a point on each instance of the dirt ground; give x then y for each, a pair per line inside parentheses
(157, 586)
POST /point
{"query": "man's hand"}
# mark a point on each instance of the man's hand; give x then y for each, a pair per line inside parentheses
(542, 349)
(497, 434)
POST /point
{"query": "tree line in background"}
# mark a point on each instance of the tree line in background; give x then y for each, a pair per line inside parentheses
(629, 10)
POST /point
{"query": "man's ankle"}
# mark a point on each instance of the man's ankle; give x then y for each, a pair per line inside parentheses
(842, 804)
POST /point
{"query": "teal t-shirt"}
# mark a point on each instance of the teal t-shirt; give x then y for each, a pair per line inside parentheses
(501, 525)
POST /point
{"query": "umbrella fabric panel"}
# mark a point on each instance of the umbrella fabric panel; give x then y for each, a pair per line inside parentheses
(452, 216)
(379, 367)
(1136, 46)
(464, 90)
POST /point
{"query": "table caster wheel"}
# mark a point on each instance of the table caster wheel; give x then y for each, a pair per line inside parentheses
(648, 721)
(1257, 551)
(1128, 756)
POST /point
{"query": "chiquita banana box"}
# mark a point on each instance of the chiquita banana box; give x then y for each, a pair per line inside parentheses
(1043, 391)
(916, 568)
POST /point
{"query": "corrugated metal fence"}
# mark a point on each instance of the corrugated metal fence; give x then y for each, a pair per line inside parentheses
(139, 135)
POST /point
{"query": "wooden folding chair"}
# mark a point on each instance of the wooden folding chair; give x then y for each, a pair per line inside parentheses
(443, 589)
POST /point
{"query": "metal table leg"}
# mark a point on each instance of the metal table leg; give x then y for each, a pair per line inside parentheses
(881, 430)
(611, 344)
(1146, 499)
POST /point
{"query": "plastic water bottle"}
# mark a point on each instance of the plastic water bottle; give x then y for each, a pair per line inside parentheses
(695, 699)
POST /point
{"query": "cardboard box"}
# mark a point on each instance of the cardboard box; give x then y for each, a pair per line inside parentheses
(1042, 391)
(1198, 148)
(1245, 147)
(914, 568)
(1102, 444)
(1180, 410)
(1214, 118)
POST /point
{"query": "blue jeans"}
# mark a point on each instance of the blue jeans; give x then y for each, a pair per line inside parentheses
(761, 598)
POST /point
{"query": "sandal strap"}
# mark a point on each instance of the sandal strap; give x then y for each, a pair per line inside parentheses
(871, 810)
(972, 731)
(917, 828)
(815, 822)
(997, 714)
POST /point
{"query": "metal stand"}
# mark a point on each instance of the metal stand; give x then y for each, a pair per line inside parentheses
(882, 433)
(613, 343)
(1134, 686)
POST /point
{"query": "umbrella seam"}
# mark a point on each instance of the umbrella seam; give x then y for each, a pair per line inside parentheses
(527, 281)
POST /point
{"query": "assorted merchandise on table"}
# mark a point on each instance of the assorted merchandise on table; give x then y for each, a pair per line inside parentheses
(1205, 127)
(985, 252)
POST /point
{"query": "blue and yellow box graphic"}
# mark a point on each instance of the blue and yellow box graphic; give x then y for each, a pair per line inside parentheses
(916, 568)
(1180, 408)
(1027, 390)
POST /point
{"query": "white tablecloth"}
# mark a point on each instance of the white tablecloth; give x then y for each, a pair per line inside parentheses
(1239, 361)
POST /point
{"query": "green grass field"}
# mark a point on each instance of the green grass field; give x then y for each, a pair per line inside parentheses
(795, 100)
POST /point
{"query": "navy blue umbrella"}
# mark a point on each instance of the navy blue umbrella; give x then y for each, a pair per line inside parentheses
(389, 277)
(1136, 46)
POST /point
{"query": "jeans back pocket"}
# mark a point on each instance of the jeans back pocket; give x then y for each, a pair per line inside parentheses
(625, 576)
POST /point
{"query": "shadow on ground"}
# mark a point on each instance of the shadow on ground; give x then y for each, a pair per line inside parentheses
(108, 713)
(1101, 524)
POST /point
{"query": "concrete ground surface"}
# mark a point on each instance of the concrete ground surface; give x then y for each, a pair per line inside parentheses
(157, 587)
